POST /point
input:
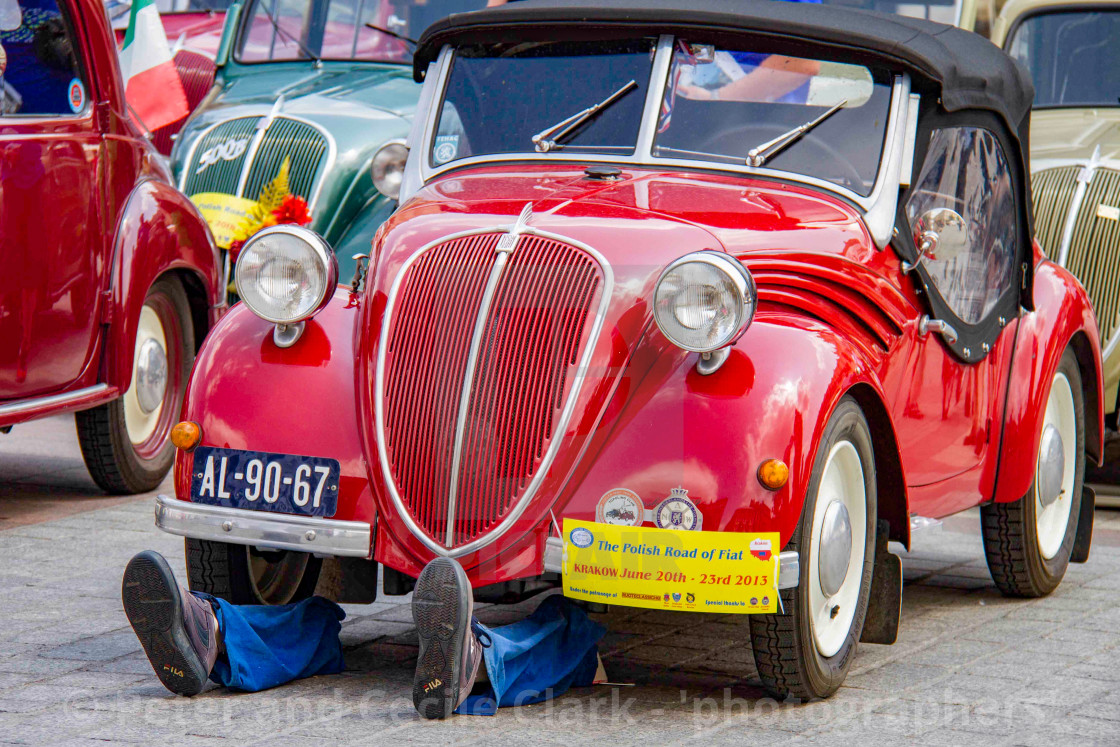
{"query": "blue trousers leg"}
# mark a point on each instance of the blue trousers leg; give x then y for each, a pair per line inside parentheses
(266, 646)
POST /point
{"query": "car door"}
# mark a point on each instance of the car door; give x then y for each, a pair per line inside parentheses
(52, 254)
(961, 212)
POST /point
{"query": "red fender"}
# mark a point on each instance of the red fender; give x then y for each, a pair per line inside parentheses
(674, 420)
(246, 393)
(1035, 359)
(159, 231)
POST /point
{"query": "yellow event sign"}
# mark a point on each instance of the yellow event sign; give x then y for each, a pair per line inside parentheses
(223, 213)
(671, 569)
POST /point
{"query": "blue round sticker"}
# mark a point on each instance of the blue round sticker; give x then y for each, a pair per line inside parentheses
(580, 537)
(76, 95)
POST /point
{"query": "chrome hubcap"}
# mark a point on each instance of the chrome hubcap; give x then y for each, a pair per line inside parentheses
(151, 375)
(1051, 466)
(835, 548)
(1056, 469)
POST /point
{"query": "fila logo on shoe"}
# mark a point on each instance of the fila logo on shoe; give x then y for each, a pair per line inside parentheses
(432, 685)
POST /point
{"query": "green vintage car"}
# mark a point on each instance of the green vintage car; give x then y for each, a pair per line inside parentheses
(319, 92)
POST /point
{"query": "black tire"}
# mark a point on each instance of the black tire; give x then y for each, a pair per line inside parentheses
(1010, 530)
(225, 570)
(785, 652)
(115, 462)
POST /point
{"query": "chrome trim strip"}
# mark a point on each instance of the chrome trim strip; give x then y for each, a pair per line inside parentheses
(906, 168)
(561, 424)
(262, 128)
(480, 321)
(882, 204)
(1083, 180)
(27, 405)
(352, 539)
(655, 94)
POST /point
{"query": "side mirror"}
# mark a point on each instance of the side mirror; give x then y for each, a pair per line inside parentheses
(940, 234)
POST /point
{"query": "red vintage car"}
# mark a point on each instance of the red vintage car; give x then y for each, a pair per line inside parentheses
(108, 275)
(766, 271)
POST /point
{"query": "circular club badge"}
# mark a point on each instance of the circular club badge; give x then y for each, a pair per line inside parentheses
(580, 537)
(620, 507)
(77, 95)
(677, 512)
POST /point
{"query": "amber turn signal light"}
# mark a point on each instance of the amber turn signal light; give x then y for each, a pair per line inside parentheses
(773, 474)
(186, 435)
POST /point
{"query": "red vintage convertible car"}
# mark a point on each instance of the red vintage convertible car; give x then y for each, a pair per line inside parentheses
(767, 269)
(108, 275)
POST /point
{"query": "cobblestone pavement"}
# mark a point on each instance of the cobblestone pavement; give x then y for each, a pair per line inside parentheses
(970, 667)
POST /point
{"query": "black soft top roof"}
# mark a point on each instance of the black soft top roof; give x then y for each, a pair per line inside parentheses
(966, 70)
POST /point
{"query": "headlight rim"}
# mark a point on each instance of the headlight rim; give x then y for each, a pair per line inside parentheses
(395, 142)
(322, 250)
(740, 276)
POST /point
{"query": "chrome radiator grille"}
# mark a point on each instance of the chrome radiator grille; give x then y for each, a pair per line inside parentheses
(1094, 253)
(1052, 191)
(466, 431)
(236, 158)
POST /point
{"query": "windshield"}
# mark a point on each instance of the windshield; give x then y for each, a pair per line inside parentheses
(499, 97)
(722, 104)
(1073, 57)
(286, 30)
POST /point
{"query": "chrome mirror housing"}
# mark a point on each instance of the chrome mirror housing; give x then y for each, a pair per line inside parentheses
(940, 234)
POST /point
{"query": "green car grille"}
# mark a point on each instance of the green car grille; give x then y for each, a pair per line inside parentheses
(219, 160)
(1094, 253)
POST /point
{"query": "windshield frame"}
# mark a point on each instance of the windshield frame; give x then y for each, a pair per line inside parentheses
(878, 205)
(245, 20)
(1051, 10)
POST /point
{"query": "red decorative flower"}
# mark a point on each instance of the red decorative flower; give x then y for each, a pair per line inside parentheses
(235, 251)
(293, 209)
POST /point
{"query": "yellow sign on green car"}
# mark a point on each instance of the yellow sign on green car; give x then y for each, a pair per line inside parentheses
(671, 569)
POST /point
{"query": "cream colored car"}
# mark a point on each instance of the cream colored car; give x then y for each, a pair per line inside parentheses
(1073, 54)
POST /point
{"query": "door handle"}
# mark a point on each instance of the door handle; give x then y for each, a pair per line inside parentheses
(940, 326)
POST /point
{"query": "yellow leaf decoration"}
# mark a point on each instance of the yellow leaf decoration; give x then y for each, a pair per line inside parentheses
(260, 216)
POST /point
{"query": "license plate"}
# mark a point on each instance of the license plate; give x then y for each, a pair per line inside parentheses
(283, 483)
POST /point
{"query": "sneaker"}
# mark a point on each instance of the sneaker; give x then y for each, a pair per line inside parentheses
(179, 631)
(450, 645)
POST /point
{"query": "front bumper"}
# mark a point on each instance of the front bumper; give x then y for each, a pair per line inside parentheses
(353, 539)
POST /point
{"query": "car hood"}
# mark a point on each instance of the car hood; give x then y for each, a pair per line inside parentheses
(431, 283)
(1074, 134)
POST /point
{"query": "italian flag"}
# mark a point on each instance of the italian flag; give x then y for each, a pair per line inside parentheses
(152, 86)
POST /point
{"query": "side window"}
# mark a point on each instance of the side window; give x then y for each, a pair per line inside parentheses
(39, 72)
(963, 207)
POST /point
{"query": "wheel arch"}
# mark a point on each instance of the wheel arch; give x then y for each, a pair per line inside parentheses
(1089, 367)
(159, 233)
(892, 500)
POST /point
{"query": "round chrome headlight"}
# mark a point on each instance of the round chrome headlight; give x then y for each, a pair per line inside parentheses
(388, 168)
(704, 301)
(286, 273)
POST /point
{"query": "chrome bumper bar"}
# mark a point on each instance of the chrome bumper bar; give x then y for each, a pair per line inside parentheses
(789, 563)
(261, 529)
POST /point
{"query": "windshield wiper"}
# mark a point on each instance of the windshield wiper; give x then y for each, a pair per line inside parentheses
(276, 25)
(758, 155)
(393, 34)
(550, 138)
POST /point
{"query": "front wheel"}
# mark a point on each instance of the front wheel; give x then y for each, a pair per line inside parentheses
(806, 653)
(126, 443)
(1028, 542)
(250, 575)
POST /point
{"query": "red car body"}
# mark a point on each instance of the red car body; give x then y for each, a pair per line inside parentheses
(834, 347)
(90, 222)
